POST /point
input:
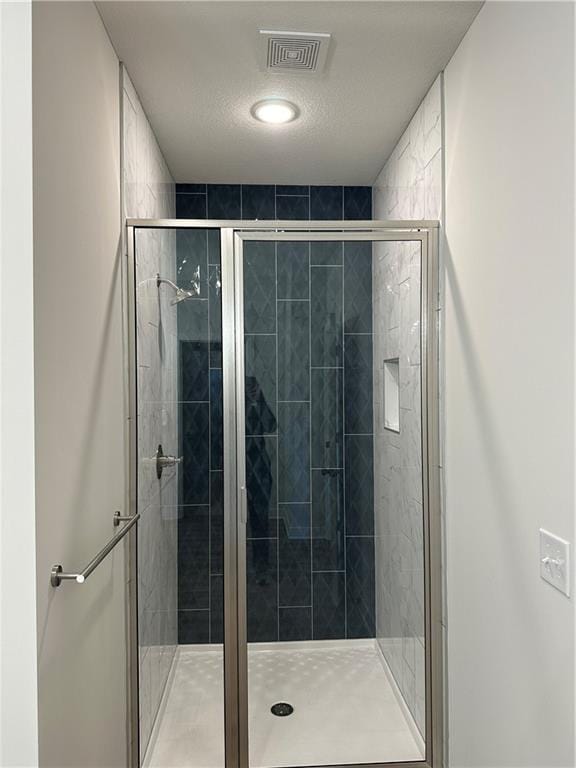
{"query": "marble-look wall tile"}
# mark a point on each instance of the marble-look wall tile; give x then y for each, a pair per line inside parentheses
(409, 187)
(149, 191)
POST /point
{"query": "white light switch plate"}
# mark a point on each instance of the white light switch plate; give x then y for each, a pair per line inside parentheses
(555, 561)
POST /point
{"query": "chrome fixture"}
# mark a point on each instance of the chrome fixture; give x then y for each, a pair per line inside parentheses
(163, 461)
(181, 293)
(57, 576)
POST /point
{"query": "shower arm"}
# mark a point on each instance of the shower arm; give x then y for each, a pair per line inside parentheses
(160, 280)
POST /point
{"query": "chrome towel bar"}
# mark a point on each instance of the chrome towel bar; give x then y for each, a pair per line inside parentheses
(57, 576)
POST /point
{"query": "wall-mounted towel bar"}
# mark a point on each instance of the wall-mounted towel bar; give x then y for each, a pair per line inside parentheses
(57, 576)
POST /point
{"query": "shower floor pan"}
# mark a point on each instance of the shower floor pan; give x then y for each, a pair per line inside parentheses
(345, 708)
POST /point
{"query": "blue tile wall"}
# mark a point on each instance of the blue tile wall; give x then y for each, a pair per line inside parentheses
(309, 446)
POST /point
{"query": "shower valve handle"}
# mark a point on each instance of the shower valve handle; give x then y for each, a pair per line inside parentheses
(163, 461)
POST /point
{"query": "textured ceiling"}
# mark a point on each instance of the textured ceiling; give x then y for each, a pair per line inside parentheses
(196, 67)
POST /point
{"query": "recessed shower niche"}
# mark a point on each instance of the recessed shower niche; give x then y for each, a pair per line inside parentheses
(282, 552)
(392, 394)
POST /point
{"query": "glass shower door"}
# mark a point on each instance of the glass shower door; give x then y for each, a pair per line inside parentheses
(179, 494)
(331, 531)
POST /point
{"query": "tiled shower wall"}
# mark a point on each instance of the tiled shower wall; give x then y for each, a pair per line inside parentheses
(318, 534)
(409, 187)
(148, 191)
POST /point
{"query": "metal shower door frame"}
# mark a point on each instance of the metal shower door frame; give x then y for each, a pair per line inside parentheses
(233, 234)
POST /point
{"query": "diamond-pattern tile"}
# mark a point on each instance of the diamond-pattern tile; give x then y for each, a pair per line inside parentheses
(260, 369)
(258, 201)
(357, 203)
(294, 554)
(340, 291)
(329, 603)
(193, 370)
(216, 422)
(217, 609)
(359, 496)
(261, 487)
(191, 189)
(358, 383)
(326, 316)
(360, 600)
(294, 452)
(327, 430)
(194, 473)
(330, 253)
(214, 246)
(191, 261)
(224, 201)
(295, 624)
(358, 287)
(293, 267)
(193, 626)
(262, 590)
(326, 203)
(190, 206)
(327, 520)
(293, 350)
(259, 287)
(292, 189)
(217, 522)
(192, 320)
(292, 207)
(215, 314)
(193, 557)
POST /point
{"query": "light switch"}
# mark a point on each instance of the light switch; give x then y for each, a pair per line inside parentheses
(555, 561)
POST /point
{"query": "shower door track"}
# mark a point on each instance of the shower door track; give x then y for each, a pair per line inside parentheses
(232, 236)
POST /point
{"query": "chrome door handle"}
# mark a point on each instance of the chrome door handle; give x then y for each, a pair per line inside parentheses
(163, 461)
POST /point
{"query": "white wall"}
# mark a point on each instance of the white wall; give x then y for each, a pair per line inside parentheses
(509, 100)
(18, 703)
(80, 476)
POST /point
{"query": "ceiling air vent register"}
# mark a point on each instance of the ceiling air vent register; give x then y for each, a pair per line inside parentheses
(294, 51)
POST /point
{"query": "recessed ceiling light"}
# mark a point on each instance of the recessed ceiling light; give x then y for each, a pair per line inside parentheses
(275, 111)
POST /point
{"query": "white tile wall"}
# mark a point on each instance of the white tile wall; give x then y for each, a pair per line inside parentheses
(149, 191)
(408, 187)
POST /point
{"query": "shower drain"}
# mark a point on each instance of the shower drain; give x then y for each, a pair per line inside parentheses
(282, 709)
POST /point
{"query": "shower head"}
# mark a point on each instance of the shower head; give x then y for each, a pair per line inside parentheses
(181, 293)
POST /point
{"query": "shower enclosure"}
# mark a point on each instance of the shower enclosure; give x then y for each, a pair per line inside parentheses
(286, 573)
